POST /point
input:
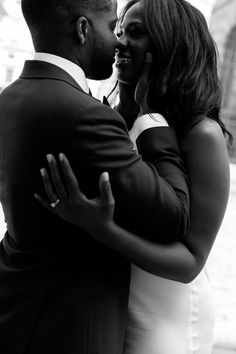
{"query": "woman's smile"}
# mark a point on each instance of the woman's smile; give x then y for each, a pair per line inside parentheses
(123, 60)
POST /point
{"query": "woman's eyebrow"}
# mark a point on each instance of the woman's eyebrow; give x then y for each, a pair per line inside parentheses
(134, 23)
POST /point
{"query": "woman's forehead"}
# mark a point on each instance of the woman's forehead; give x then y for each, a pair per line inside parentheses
(133, 14)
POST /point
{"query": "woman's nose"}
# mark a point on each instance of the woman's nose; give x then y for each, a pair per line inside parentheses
(122, 43)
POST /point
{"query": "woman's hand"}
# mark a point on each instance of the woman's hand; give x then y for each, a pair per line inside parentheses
(142, 85)
(68, 202)
(127, 107)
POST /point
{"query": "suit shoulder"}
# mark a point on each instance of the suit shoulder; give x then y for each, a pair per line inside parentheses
(74, 99)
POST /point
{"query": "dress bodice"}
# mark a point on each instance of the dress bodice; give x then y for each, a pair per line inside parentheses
(167, 316)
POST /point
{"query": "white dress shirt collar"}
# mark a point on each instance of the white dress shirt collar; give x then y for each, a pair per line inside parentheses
(71, 68)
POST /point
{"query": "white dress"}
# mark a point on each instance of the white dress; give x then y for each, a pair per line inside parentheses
(166, 316)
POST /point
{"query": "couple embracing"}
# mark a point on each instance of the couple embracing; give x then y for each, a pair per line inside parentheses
(122, 272)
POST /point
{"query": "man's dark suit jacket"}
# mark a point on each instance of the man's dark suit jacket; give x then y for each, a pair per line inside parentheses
(60, 290)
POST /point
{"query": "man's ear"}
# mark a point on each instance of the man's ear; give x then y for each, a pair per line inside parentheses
(82, 29)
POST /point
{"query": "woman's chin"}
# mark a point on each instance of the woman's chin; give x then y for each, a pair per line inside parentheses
(126, 79)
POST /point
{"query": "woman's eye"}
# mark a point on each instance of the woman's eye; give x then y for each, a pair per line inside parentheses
(133, 33)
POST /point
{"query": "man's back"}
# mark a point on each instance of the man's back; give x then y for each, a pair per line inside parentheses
(56, 267)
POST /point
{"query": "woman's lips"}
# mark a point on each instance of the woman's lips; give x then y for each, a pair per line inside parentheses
(123, 60)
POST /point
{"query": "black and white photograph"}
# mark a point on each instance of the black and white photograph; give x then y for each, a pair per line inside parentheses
(117, 176)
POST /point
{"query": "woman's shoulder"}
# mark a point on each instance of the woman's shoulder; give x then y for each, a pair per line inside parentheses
(203, 123)
(202, 128)
(205, 135)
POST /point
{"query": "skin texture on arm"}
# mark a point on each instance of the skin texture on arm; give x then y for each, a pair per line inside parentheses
(207, 163)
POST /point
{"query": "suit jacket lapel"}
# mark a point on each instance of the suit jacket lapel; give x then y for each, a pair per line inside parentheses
(36, 69)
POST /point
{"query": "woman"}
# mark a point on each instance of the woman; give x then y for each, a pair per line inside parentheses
(170, 305)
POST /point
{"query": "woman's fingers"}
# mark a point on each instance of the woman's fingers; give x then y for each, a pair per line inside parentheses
(58, 185)
(141, 88)
(70, 179)
(43, 202)
(64, 193)
(105, 189)
(52, 196)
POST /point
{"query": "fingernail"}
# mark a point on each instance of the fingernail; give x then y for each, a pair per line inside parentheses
(105, 177)
(61, 157)
(49, 158)
(148, 57)
(43, 172)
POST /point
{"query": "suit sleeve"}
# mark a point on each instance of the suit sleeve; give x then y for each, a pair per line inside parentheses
(151, 191)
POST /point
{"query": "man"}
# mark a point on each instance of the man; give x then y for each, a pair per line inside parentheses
(60, 290)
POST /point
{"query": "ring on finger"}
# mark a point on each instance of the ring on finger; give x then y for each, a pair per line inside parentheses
(54, 204)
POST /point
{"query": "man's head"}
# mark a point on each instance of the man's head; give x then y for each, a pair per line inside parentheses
(79, 30)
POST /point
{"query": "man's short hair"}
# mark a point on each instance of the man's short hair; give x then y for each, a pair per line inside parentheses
(39, 13)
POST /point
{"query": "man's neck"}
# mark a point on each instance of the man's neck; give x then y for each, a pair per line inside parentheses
(74, 70)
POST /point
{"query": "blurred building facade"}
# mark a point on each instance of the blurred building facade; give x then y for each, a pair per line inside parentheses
(223, 29)
(15, 42)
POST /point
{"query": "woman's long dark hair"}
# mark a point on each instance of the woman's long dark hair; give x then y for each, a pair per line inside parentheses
(184, 80)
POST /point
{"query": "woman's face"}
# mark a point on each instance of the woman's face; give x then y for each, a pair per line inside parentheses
(134, 43)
